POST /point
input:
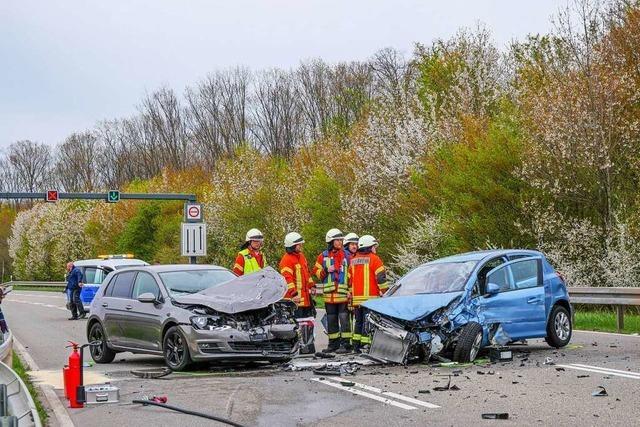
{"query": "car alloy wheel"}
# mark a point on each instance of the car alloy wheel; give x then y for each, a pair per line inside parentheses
(562, 325)
(475, 347)
(175, 351)
(96, 335)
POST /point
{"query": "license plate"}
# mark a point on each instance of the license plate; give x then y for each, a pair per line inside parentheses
(258, 337)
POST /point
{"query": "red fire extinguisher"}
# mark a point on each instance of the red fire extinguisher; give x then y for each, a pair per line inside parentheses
(72, 375)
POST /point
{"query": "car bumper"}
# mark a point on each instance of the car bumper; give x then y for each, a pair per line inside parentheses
(279, 343)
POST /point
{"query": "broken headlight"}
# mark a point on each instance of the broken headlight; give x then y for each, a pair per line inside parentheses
(206, 322)
(440, 317)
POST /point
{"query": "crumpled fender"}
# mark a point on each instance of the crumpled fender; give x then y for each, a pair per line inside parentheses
(411, 307)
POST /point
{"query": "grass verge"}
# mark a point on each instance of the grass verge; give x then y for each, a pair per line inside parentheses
(20, 369)
(605, 321)
(38, 288)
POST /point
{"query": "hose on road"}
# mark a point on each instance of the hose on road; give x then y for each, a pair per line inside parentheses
(188, 412)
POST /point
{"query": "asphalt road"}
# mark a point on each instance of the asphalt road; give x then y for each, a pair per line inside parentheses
(531, 391)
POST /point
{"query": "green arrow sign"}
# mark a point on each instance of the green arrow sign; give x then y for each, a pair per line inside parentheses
(113, 196)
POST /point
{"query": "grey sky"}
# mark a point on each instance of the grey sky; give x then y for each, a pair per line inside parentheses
(66, 64)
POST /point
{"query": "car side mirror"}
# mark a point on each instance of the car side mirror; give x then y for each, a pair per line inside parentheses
(147, 297)
(492, 289)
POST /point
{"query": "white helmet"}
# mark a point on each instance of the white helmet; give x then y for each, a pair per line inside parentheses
(332, 235)
(367, 241)
(292, 239)
(254, 234)
(350, 238)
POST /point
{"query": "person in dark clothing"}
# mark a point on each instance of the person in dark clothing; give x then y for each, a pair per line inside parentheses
(75, 278)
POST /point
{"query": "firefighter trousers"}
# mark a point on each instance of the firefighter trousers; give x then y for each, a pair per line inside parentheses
(338, 324)
(360, 330)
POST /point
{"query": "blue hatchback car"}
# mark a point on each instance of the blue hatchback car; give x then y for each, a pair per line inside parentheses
(457, 305)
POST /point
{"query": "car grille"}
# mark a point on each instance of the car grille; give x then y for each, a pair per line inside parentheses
(271, 346)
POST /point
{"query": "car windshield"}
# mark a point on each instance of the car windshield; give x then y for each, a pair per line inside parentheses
(435, 278)
(193, 281)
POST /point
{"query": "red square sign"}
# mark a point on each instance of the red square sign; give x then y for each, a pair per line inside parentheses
(52, 195)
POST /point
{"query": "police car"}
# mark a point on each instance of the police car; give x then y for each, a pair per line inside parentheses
(96, 270)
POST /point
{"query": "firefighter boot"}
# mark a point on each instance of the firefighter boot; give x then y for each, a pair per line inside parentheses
(334, 344)
(307, 345)
(344, 347)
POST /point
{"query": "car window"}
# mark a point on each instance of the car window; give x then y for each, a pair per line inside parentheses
(525, 273)
(502, 278)
(145, 283)
(94, 275)
(122, 283)
(435, 278)
(481, 282)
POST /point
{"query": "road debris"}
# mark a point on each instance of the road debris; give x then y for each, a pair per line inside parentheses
(321, 355)
(447, 387)
(495, 416)
(151, 373)
(583, 376)
(548, 361)
(559, 369)
(600, 392)
(347, 383)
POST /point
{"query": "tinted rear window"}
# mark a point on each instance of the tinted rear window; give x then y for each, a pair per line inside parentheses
(122, 283)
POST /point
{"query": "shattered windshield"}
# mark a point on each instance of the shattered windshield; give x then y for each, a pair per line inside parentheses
(190, 282)
(435, 278)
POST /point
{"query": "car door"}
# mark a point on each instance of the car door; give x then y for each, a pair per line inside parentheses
(116, 303)
(519, 305)
(93, 278)
(143, 325)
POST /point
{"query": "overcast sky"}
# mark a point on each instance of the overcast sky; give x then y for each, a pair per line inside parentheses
(66, 64)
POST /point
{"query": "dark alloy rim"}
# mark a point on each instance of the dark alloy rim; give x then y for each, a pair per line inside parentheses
(175, 350)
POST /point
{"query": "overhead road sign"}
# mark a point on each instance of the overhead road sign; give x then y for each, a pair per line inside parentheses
(100, 196)
(194, 239)
(51, 196)
(113, 196)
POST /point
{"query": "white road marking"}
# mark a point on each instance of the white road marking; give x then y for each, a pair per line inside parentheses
(54, 295)
(604, 371)
(390, 394)
(41, 304)
(364, 394)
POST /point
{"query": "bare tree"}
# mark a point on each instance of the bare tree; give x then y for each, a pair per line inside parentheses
(315, 96)
(31, 163)
(77, 163)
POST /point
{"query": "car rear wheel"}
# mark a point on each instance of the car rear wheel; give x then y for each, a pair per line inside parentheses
(100, 353)
(559, 327)
(469, 343)
(176, 349)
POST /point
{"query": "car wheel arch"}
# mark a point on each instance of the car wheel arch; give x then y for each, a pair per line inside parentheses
(169, 324)
(561, 302)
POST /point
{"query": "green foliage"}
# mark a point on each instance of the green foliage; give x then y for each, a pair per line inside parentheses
(19, 367)
(437, 75)
(7, 216)
(321, 203)
(473, 188)
(138, 236)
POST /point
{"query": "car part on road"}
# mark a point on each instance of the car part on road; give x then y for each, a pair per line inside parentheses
(188, 412)
(500, 354)
(322, 355)
(495, 416)
(447, 387)
(153, 373)
(600, 392)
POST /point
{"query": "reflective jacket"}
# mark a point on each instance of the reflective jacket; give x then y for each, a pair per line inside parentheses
(294, 268)
(367, 277)
(334, 286)
(249, 261)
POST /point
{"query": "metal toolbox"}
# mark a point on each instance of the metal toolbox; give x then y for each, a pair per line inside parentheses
(101, 393)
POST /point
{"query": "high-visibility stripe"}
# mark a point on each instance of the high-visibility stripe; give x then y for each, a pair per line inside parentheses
(345, 335)
(380, 270)
(299, 284)
(291, 286)
(237, 266)
(356, 337)
(367, 284)
(334, 336)
(286, 270)
(365, 339)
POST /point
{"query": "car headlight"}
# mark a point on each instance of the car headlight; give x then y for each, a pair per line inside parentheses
(199, 322)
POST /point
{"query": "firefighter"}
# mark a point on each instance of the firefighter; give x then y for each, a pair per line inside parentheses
(350, 243)
(300, 288)
(367, 280)
(250, 258)
(331, 270)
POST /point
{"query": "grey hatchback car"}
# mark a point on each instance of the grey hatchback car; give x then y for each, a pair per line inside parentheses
(193, 313)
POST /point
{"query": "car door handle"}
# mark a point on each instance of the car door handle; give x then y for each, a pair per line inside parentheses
(105, 305)
(533, 300)
(128, 307)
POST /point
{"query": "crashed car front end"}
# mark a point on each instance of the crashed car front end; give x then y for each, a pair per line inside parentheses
(243, 319)
(269, 334)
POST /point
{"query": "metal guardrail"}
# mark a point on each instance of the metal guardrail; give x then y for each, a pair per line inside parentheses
(618, 297)
(34, 284)
(6, 347)
(19, 402)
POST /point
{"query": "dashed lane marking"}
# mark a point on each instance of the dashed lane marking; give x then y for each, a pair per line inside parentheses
(41, 304)
(390, 398)
(604, 371)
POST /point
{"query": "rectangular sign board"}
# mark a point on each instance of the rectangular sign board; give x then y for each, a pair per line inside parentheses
(194, 239)
(193, 212)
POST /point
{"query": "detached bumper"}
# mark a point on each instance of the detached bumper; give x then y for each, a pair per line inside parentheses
(275, 343)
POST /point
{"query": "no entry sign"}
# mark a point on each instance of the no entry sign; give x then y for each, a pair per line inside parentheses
(193, 212)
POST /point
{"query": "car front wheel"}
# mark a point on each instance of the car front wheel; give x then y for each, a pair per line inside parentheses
(559, 327)
(100, 353)
(176, 349)
(469, 343)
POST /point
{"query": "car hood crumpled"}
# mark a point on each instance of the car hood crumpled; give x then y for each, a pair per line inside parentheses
(250, 292)
(411, 307)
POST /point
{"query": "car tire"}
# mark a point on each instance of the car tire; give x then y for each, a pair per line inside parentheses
(469, 343)
(100, 353)
(176, 350)
(559, 327)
